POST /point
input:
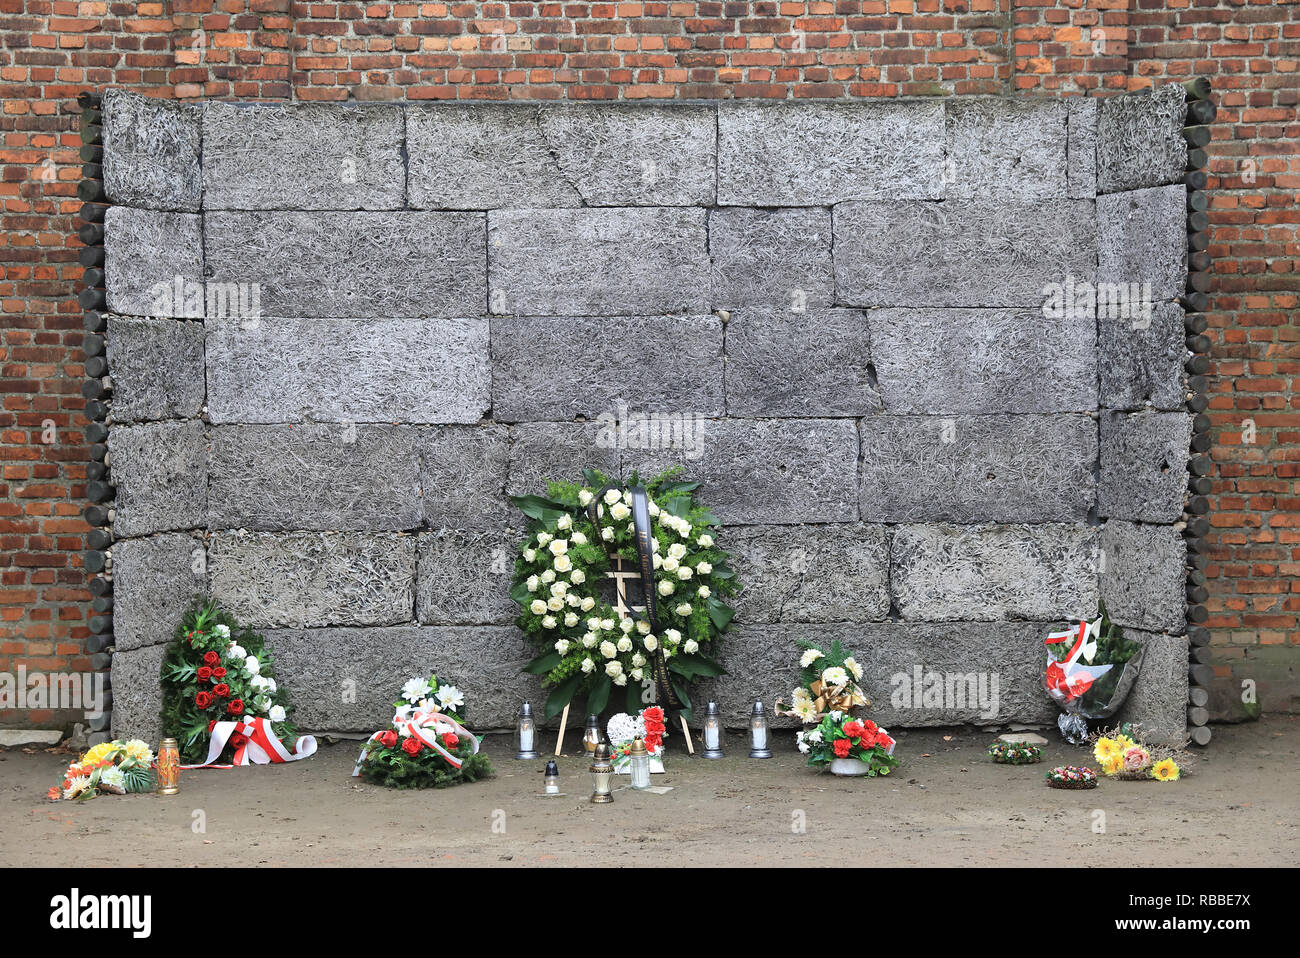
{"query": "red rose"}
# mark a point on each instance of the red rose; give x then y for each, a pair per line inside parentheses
(212, 725)
(211, 658)
(221, 691)
(236, 707)
(219, 672)
(412, 746)
(237, 740)
(203, 699)
(388, 739)
(204, 673)
(842, 747)
(450, 739)
(652, 740)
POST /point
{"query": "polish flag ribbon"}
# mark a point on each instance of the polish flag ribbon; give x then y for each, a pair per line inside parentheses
(427, 725)
(259, 746)
(1067, 679)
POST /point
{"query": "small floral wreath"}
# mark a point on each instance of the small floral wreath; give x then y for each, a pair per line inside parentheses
(586, 645)
(1072, 776)
(1015, 753)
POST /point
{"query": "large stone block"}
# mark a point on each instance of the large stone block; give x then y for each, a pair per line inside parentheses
(1081, 153)
(1142, 573)
(831, 573)
(977, 468)
(999, 147)
(155, 580)
(768, 470)
(464, 577)
(302, 156)
(463, 476)
(1045, 572)
(151, 152)
(1140, 355)
(815, 363)
(1142, 240)
(566, 367)
(353, 264)
(984, 360)
(1158, 699)
(349, 370)
(153, 263)
(1140, 139)
(960, 252)
(161, 472)
(623, 154)
(317, 666)
(773, 259)
(815, 154)
(1143, 465)
(137, 694)
(157, 368)
(310, 579)
(634, 261)
(315, 477)
(558, 450)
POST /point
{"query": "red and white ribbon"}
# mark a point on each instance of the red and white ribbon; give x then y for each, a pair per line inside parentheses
(1067, 680)
(427, 725)
(259, 745)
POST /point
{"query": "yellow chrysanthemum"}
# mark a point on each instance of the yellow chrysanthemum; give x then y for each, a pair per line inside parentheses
(1111, 764)
(1124, 742)
(98, 753)
(1106, 748)
(1166, 770)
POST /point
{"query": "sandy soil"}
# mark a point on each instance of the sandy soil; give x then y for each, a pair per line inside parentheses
(947, 805)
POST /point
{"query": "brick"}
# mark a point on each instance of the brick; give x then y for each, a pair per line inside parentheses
(151, 152)
(1005, 148)
(1142, 238)
(1142, 575)
(1143, 465)
(153, 263)
(464, 577)
(155, 581)
(773, 259)
(1140, 140)
(161, 473)
(157, 368)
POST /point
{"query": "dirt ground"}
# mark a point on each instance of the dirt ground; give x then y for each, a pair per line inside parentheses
(948, 804)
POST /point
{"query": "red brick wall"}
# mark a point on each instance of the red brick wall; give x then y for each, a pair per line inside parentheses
(273, 49)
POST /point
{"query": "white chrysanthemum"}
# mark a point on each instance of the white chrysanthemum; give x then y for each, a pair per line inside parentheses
(835, 677)
(589, 640)
(588, 665)
(650, 643)
(608, 649)
(684, 609)
(562, 646)
(625, 644)
(416, 689)
(691, 647)
(851, 664)
(564, 522)
(532, 582)
(809, 657)
(706, 541)
(559, 547)
(570, 620)
(555, 603)
(666, 587)
(449, 697)
(611, 496)
(548, 622)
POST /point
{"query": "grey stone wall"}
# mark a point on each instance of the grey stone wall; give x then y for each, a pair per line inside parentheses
(344, 334)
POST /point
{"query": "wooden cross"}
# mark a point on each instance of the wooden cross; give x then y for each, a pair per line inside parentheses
(619, 574)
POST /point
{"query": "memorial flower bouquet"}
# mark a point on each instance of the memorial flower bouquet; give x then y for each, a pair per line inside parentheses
(829, 682)
(649, 726)
(1123, 753)
(841, 736)
(1091, 666)
(113, 768)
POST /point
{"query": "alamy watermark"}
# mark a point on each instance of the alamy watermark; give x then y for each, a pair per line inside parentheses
(83, 691)
(215, 300)
(623, 429)
(1079, 299)
(948, 691)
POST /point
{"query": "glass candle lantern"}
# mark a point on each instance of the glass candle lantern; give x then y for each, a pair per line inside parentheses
(526, 734)
(591, 734)
(639, 764)
(168, 767)
(758, 740)
(552, 778)
(712, 731)
(602, 776)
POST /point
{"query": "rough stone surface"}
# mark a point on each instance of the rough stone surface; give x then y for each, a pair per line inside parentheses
(814, 363)
(832, 573)
(563, 367)
(558, 450)
(1143, 465)
(815, 154)
(631, 261)
(464, 577)
(977, 468)
(769, 470)
(1041, 572)
(154, 582)
(1142, 239)
(1141, 357)
(463, 476)
(999, 147)
(151, 152)
(161, 473)
(353, 264)
(1158, 699)
(773, 259)
(623, 154)
(314, 578)
(302, 156)
(348, 370)
(1142, 573)
(317, 477)
(157, 368)
(137, 693)
(1140, 139)
(153, 263)
(983, 360)
(482, 661)
(960, 252)
(1081, 152)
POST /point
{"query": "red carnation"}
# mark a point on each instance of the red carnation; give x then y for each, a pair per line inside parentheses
(450, 739)
(204, 673)
(853, 729)
(221, 690)
(412, 746)
(870, 726)
(236, 707)
(203, 699)
(842, 747)
(884, 741)
(388, 739)
(211, 658)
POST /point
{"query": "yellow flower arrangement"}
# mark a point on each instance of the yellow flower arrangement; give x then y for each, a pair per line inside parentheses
(1107, 748)
(99, 752)
(138, 751)
(1111, 764)
(1165, 770)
